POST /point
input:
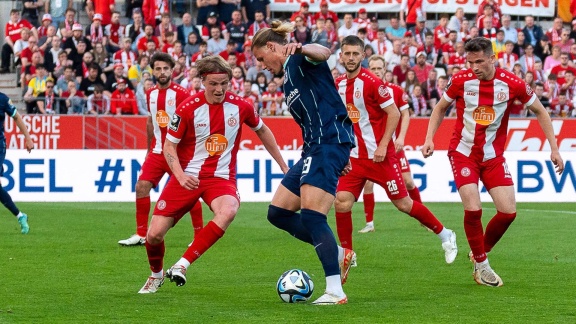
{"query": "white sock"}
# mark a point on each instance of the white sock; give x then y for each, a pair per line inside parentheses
(444, 235)
(20, 214)
(158, 275)
(334, 286)
(483, 263)
(183, 262)
(370, 224)
(340, 253)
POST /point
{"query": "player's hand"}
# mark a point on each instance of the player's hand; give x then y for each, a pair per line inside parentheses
(189, 182)
(398, 145)
(558, 162)
(427, 149)
(347, 169)
(379, 154)
(286, 50)
(29, 145)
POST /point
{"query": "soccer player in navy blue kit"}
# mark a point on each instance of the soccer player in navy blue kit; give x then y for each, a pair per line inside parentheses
(8, 108)
(310, 185)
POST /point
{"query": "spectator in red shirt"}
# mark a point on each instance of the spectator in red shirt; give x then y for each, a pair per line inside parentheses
(422, 68)
(304, 12)
(123, 101)
(560, 69)
(148, 35)
(12, 33)
(401, 69)
(411, 9)
(441, 32)
(325, 13)
(104, 8)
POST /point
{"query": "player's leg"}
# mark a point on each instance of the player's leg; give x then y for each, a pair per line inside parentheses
(7, 201)
(369, 203)
(413, 191)
(197, 219)
(155, 250)
(505, 203)
(347, 192)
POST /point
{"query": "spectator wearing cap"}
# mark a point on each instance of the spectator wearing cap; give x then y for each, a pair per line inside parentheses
(348, 28)
(325, 13)
(36, 85)
(422, 68)
(186, 28)
(441, 32)
(112, 81)
(381, 45)
(410, 10)
(362, 19)
(152, 11)
(123, 100)
(212, 21)
(237, 29)
(420, 30)
(488, 13)
(94, 31)
(555, 32)
(258, 24)
(56, 10)
(493, 4)
(71, 43)
(456, 20)
(104, 8)
(43, 29)
(249, 8)
(532, 32)
(410, 47)
(305, 13)
(510, 33)
(166, 26)
(395, 31)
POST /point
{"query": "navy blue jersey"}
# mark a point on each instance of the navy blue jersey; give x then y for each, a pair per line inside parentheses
(315, 104)
(6, 108)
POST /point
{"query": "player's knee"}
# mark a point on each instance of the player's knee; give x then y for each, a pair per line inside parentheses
(143, 188)
(509, 216)
(409, 183)
(154, 237)
(343, 204)
(404, 205)
(276, 214)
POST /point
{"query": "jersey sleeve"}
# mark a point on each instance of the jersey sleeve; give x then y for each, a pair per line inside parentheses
(382, 95)
(7, 106)
(524, 93)
(452, 90)
(177, 126)
(252, 119)
(401, 99)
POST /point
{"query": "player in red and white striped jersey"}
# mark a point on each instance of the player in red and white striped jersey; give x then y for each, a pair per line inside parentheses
(484, 96)
(162, 100)
(375, 116)
(377, 66)
(201, 150)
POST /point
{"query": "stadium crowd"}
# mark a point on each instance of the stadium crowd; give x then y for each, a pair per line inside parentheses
(103, 68)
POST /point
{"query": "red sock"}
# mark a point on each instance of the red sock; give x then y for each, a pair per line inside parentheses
(197, 220)
(142, 211)
(425, 217)
(474, 233)
(415, 194)
(155, 256)
(344, 229)
(368, 207)
(203, 241)
(496, 229)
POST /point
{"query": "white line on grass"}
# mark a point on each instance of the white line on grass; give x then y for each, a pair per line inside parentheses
(542, 210)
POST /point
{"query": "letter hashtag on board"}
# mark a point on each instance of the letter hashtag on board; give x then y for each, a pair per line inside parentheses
(105, 169)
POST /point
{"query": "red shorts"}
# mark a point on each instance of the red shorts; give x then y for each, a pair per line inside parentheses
(404, 165)
(175, 201)
(387, 174)
(154, 168)
(493, 173)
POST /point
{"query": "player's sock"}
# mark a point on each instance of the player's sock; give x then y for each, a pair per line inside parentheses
(155, 256)
(474, 233)
(290, 222)
(334, 285)
(158, 275)
(183, 262)
(445, 234)
(369, 207)
(415, 194)
(496, 229)
(425, 217)
(323, 240)
(7, 202)
(203, 241)
(344, 229)
(197, 220)
(142, 211)
(20, 214)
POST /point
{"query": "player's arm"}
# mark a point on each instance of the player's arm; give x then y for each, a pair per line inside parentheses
(546, 124)
(24, 130)
(149, 132)
(187, 181)
(404, 123)
(436, 118)
(269, 141)
(391, 124)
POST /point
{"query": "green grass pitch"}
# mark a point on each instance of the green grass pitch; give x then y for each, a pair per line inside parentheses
(69, 269)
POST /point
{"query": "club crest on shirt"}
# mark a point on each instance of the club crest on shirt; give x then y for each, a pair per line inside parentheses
(175, 122)
(232, 122)
(501, 96)
(382, 91)
(216, 144)
(171, 102)
(465, 172)
(357, 94)
(162, 118)
(484, 115)
(529, 90)
(353, 113)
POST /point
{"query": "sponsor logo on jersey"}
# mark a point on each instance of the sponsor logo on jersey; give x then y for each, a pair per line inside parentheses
(353, 113)
(162, 118)
(216, 144)
(484, 115)
(501, 96)
(471, 93)
(294, 94)
(465, 172)
(175, 122)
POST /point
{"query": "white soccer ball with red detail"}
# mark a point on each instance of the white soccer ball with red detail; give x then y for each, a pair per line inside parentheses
(294, 286)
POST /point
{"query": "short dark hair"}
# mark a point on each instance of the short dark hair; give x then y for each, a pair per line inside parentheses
(162, 57)
(479, 44)
(352, 40)
(93, 66)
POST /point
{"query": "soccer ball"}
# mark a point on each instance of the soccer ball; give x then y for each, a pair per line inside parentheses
(295, 286)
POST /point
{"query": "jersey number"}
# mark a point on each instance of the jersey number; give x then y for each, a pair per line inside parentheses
(403, 162)
(506, 170)
(392, 187)
(307, 162)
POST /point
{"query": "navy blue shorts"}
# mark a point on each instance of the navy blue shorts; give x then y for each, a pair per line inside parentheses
(2, 158)
(320, 167)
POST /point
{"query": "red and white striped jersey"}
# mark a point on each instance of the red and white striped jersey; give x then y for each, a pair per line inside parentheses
(482, 110)
(127, 58)
(13, 30)
(365, 97)
(162, 104)
(209, 135)
(400, 99)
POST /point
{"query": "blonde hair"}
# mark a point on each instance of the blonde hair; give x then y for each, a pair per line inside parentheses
(213, 64)
(278, 33)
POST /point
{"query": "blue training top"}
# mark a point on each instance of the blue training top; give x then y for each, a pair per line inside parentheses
(315, 104)
(6, 108)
